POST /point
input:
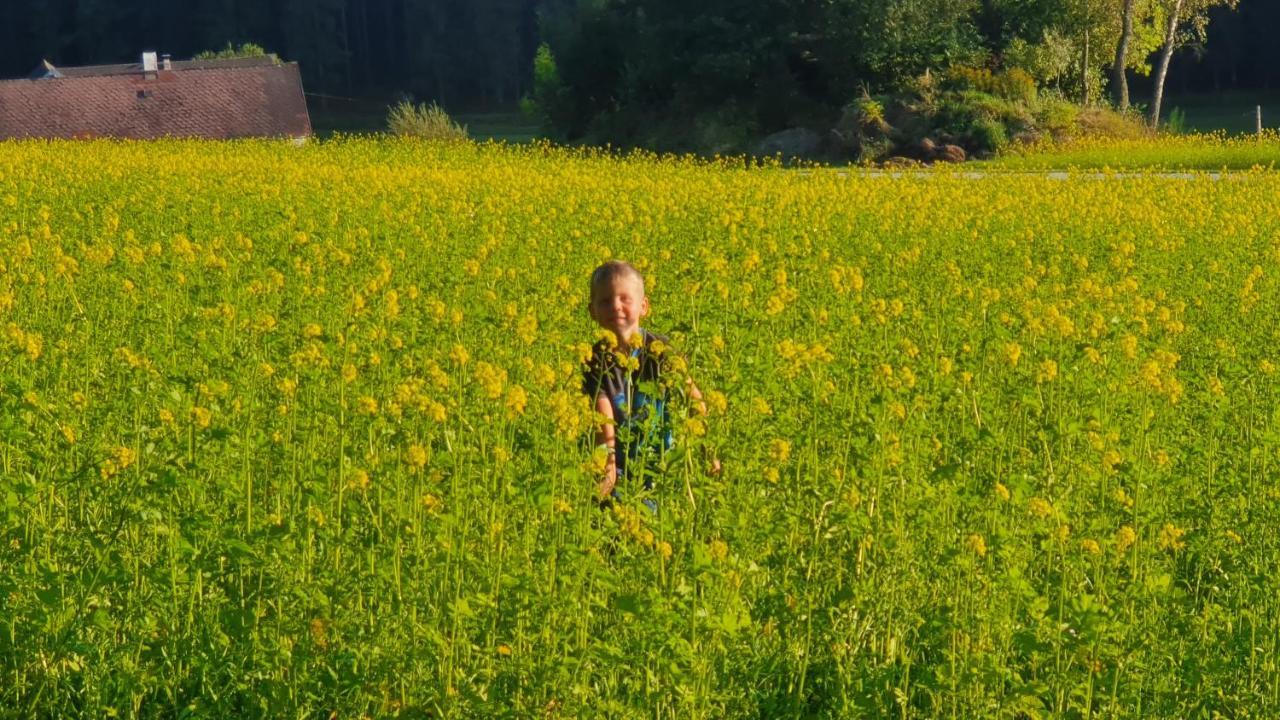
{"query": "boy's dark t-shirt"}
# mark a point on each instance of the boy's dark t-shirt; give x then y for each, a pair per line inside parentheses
(638, 398)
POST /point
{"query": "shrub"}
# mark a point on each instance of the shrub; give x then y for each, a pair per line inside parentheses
(429, 122)
(1013, 84)
(1103, 122)
(1057, 116)
(246, 50)
(869, 114)
(988, 135)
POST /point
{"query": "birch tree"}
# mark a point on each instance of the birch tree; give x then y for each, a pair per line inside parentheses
(1183, 20)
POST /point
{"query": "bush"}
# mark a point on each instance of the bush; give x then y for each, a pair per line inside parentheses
(230, 52)
(1058, 117)
(988, 135)
(429, 122)
(1013, 84)
(1103, 122)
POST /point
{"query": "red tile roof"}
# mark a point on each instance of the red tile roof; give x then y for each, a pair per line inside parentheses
(211, 99)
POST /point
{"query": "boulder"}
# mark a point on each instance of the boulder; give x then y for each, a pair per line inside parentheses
(898, 162)
(791, 143)
(949, 154)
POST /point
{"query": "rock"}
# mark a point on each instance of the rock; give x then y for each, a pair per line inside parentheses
(898, 162)
(1027, 137)
(791, 143)
(949, 153)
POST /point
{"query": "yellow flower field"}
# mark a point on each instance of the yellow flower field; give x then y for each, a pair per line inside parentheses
(297, 431)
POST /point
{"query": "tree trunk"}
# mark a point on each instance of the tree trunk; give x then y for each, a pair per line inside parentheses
(1119, 81)
(1162, 69)
(1084, 72)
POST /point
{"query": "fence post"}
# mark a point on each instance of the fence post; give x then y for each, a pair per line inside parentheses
(1257, 116)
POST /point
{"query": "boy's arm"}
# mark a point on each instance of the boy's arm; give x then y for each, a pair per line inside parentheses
(605, 437)
(696, 396)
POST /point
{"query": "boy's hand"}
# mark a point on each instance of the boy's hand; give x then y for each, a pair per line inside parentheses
(715, 466)
(605, 488)
(609, 481)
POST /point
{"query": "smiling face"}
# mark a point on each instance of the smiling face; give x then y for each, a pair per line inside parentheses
(618, 303)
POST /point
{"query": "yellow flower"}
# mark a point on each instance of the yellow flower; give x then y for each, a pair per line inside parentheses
(1090, 547)
(504, 650)
(348, 372)
(517, 399)
(124, 456)
(977, 544)
(359, 480)
(1125, 538)
(1002, 492)
(1048, 371)
(416, 456)
(779, 450)
(201, 417)
(1013, 352)
(1040, 507)
(459, 355)
(1110, 459)
(366, 405)
(664, 549)
(717, 402)
(1171, 538)
(719, 550)
(312, 330)
(760, 406)
(1215, 386)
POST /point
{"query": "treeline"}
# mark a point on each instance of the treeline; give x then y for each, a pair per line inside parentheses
(620, 69)
(458, 52)
(634, 58)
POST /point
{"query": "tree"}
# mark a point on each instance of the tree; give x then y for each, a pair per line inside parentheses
(1119, 80)
(1193, 14)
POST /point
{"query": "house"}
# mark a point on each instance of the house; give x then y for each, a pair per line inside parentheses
(158, 97)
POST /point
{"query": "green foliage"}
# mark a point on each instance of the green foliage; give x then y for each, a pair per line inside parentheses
(980, 121)
(310, 442)
(1147, 151)
(781, 64)
(869, 113)
(547, 101)
(1099, 122)
(244, 50)
(1056, 116)
(1014, 84)
(987, 134)
(425, 121)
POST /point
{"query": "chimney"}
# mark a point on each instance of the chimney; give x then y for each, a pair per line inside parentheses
(149, 64)
(166, 62)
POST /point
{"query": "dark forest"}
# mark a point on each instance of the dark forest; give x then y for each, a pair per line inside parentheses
(461, 53)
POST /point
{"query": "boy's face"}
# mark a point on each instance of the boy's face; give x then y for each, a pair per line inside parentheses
(618, 305)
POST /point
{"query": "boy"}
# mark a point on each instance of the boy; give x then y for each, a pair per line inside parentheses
(624, 380)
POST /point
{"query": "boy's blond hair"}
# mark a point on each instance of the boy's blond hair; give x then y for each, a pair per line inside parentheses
(613, 270)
